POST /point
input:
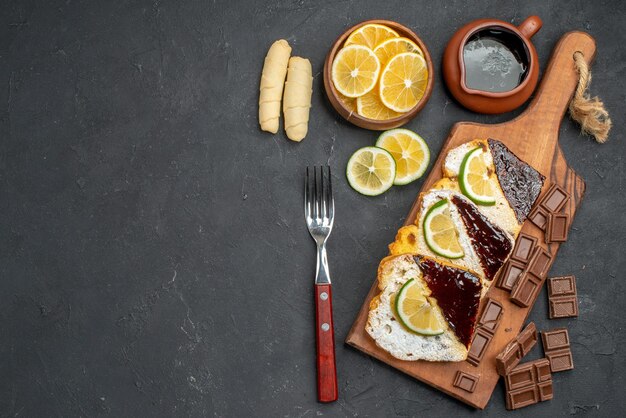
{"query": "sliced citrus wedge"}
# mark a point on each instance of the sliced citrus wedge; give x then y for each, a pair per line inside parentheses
(394, 46)
(371, 171)
(371, 35)
(355, 70)
(415, 311)
(403, 81)
(440, 233)
(410, 152)
(370, 106)
(475, 179)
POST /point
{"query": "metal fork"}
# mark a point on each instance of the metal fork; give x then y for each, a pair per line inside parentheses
(319, 213)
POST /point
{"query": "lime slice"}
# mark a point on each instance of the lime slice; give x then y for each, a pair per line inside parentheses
(371, 171)
(415, 311)
(474, 179)
(410, 152)
(440, 233)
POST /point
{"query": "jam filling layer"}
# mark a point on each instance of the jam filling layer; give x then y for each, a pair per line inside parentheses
(457, 293)
(492, 244)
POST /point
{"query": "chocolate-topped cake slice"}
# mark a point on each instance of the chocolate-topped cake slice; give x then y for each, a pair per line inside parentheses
(491, 244)
(513, 187)
(449, 293)
(457, 292)
(520, 182)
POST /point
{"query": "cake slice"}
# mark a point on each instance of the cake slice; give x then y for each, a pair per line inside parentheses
(454, 294)
(517, 183)
(491, 244)
(470, 259)
(485, 246)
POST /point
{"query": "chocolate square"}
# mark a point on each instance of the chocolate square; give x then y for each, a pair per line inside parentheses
(539, 216)
(478, 348)
(509, 275)
(490, 318)
(546, 390)
(525, 290)
(542, 370)
(521, 376)
(555, 339)
(563, 307)
(465, 381)
(520, 398)
(527, 338)
(509, 357)
(523, 249)
(557, 227)
(554, 199)
(561, 286)
(560, 360)
(540, 263)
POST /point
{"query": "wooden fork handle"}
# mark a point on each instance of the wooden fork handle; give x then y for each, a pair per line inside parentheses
(325, 333)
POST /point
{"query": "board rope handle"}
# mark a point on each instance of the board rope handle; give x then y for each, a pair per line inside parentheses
(589, 112)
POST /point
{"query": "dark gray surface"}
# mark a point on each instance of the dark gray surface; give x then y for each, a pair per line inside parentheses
(154, 257)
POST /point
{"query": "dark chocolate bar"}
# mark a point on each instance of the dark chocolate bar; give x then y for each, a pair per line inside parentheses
(516, 349)
(556, 345)
(524, 246)
(508, 358)
(557, 227)
(554, 199)
(526, 289)
(527, 374)
(563, 307)
(477, 350)
(490, 318)
(546, 390)
(542, 370)
(560, 360)
(509, 275)
(521, 376)
(540, 263)
(465, 381)
(528, 383)
(539, 216)
(561, 286)
(527, 338)
(520, 398)
(555, 339)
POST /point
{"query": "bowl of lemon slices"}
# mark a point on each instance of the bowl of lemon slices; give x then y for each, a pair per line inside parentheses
(378, 75)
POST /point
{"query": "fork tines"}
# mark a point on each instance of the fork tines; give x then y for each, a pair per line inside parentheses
(318, 194)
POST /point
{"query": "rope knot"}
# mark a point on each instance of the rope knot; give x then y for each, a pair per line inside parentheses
(589, 112)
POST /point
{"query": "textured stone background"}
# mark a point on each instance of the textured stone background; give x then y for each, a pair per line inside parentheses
(153, 254)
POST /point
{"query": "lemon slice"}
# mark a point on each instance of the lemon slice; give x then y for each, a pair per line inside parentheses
(415, 310)
(355, 70)
(371, 35)
(475, 180)
(394, 46)
(403, 81)
(370, 106)
(410, 152)
(371, 171)
(440, 232)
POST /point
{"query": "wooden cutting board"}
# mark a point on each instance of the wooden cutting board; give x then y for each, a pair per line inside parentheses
(533, 136)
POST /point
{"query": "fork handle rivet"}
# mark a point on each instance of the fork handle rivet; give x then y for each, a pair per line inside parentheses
(323, 295)
(325, 327)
